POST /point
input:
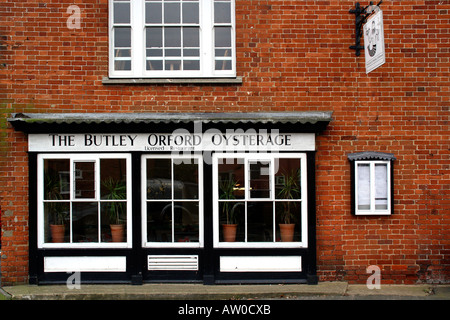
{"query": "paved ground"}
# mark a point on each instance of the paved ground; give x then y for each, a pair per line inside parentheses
(322, 291)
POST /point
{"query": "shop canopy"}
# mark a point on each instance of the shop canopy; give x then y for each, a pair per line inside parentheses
(306, 121)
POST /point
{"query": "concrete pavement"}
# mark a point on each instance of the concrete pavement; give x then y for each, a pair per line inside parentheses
(323, 291)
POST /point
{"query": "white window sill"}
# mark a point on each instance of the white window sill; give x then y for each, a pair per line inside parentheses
(236, 80)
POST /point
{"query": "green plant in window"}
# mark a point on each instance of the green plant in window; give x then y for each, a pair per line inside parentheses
(290, 189)
(227, 188)
(115, 190)
(52, 190)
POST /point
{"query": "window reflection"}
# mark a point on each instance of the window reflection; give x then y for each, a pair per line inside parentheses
(170, 220)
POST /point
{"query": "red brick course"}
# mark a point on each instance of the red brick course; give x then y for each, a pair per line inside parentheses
(292, 56)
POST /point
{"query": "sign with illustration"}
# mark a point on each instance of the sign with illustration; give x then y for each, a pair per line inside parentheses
(374, 42)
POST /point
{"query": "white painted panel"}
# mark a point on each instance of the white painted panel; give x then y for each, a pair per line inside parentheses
(85, 264)
(261, 264)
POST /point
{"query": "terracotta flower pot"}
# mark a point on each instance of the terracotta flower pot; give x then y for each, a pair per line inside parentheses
(229, 232)
(117, 232)
(287, 232)
(57, 232)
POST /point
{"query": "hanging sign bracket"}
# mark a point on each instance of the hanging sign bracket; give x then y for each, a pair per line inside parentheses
(361, 15)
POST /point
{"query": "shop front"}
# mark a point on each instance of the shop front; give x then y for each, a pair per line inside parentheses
(210, 198)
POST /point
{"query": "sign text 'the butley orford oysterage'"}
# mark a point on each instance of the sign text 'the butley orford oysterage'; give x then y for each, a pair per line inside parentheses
(232, 140)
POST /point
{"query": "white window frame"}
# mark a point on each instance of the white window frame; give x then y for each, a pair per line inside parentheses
(138, 55)
(173, 244)
(261, 157)
(372, 210)
(82, 158)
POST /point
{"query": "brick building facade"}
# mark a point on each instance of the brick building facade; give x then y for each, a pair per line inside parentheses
(285, 63)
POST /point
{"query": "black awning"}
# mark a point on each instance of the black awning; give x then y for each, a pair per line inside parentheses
(307, 121)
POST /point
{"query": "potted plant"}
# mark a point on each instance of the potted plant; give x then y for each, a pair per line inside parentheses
(227, 193)
(115, 190)
(52, 190)
(290, 190)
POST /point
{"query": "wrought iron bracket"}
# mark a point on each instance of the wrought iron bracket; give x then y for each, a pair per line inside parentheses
(361, 15)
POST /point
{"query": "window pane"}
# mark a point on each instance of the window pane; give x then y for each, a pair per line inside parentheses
(222, 37)
(259, 179)
(186, 224)
(122, 37)
(159, 221)
(231, 179)
(56, 214)
(172, 37)
(154, 37)
(191, 37)
(288, 213)
(154, 65)
(56, 179)
(186, 179)
(153, 13)
(159, 179)
(113, 217)
(122, 53)
(123, 65)
(191, 52)
(381, 187)
(172, 13)
(363, 186)
(113, 177)
(84, 177)
(226, 53)
(173, 52)
(223, 65)
(260, 222)
(191, 65)
(190, 13)
(85, 221)
(222, 12)
(232, 213)
(121, 12)
(154, 52)
(172, 65)
(287, 179)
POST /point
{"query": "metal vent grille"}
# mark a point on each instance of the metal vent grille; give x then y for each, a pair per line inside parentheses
(175, 262)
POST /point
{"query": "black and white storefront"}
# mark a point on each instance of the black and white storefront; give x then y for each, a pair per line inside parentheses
(172, 197)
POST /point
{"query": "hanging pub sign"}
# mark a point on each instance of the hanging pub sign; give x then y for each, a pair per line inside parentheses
(374, 42)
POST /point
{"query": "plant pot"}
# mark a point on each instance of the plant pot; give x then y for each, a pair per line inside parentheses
(117, 232)
(229, 232)
(57, 232)
(287, 232)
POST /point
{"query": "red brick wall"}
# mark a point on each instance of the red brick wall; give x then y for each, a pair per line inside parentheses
(292, 55)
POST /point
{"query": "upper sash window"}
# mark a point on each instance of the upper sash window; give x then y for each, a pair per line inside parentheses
(171, 38)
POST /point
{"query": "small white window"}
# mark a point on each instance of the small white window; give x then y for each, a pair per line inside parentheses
(84, 200)
(372, 185)
(171, 38)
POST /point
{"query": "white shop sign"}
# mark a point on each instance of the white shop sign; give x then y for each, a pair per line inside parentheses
(237, 140)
